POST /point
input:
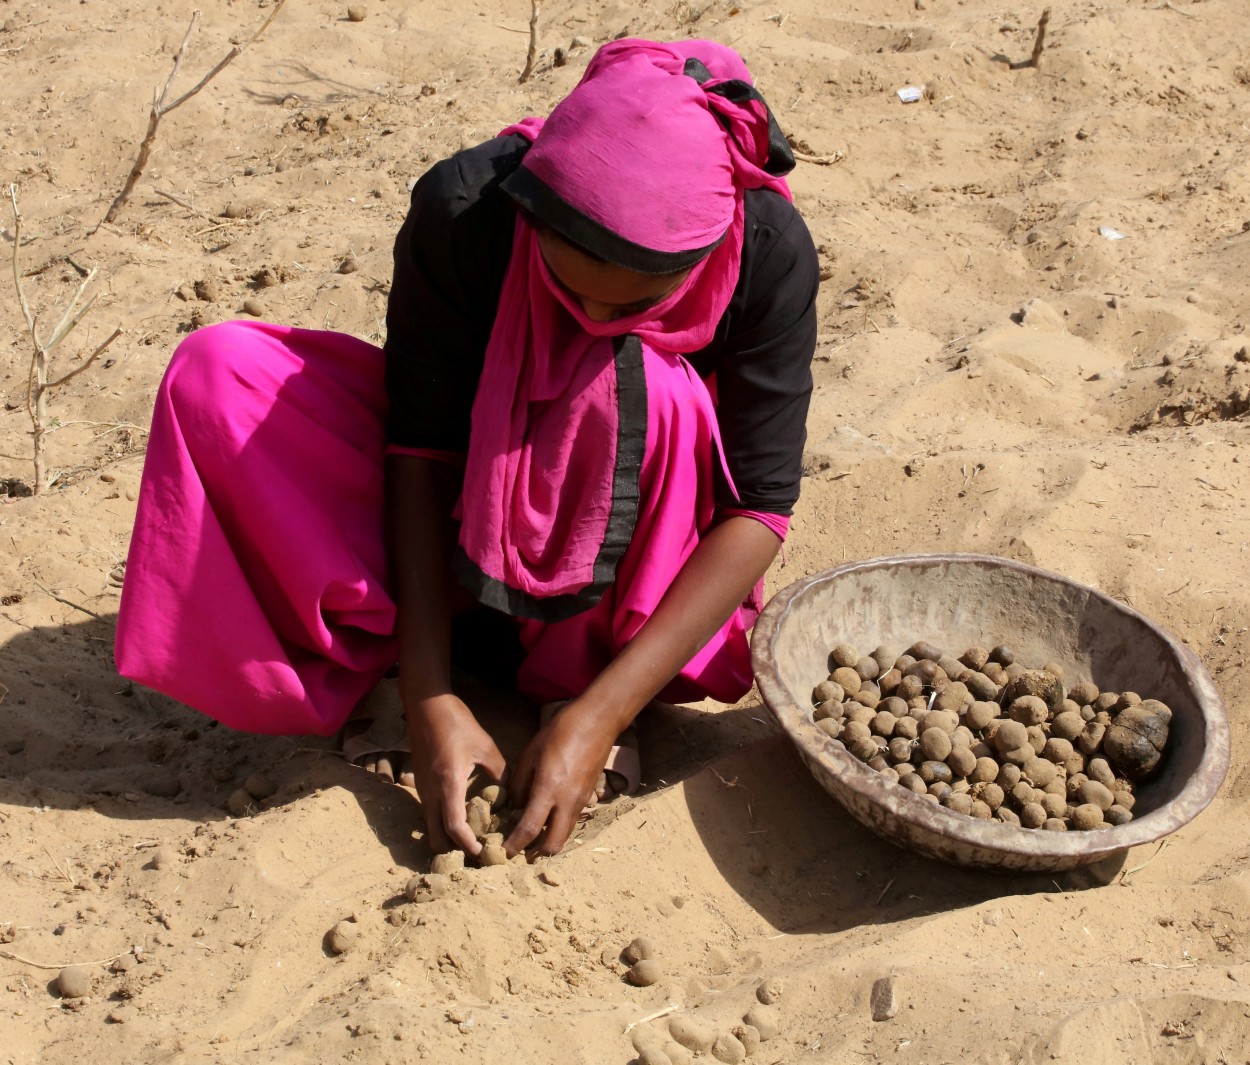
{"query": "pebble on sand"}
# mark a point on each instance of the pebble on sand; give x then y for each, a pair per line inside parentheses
(883, 1000)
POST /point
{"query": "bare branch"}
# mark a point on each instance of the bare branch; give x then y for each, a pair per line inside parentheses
(92, 358)
(17, 273)
(532, 54)
(160, 106)
(1036, 59)
(67, 323)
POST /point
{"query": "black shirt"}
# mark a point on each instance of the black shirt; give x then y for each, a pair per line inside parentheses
(451, 256)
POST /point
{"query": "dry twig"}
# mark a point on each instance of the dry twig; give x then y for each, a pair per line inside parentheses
(1036, 59)
(162, 105)
(37, 384)
(532, 54)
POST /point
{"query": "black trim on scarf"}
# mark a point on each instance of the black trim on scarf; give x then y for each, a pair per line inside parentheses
(780, 158)
(631, 445)
(582, 231)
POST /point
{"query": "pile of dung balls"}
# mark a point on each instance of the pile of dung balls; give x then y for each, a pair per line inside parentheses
(983, 736)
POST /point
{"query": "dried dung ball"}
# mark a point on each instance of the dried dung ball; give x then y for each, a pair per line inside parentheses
(963, 737)
(831, 709)
(1057, 750)
(932, 772)
(1008, 777)
(853, 731)
(909, 688)
(1003, 655)
(982, 686)
(1037, 738)
(749, 1036)
(990, 794)
(935, 744)
(959, 802)
(1055, 824)
(640, 948)
(940, 790)
(1028, 710)
(928, 673)
(859, 712)
(1118, 815)
(1126, 700)
(1123, 797)
(889, 681)
(884, 657)
(900, 749)
(883, 723)
(1054, 805)
(1083, 693)
(981, 810)
(867, 669)
(492, 854)
(691, 1034)
(1032, 815)
(831, 727)
(342, 937)
(975, 657)
(1087, 816)
(1009, 736)
(1019, 755)
(847, 678)
(770, 990)
(240, 804)
(1134, 744)
(864, 750)
(954, 697)
(980, 714)
(843, 655)
(915, 784)
(1007, 816)
(946, 720)
(962, 761)
(1100, 770)
(1098, 794)
(983, 771)
(74, 981)
(1046, 686)
(259, 786)
(764, 1020)
(828, 691)
(923, 649)
(996, 673)
(1038, 772)
(1091, 738)
(729, 1049)
(644, 972)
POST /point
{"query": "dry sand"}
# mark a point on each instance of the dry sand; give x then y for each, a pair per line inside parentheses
(993, 375)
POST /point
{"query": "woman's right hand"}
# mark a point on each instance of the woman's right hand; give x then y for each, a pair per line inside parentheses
(448, 744)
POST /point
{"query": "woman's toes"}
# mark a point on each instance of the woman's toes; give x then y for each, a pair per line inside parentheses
(384, 769)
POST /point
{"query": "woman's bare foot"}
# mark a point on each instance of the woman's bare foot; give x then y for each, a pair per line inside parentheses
(375, 737)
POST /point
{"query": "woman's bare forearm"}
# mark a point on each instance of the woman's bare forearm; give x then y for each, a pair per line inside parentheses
(713, 583)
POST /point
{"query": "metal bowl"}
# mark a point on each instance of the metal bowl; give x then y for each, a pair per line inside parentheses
(959, 601)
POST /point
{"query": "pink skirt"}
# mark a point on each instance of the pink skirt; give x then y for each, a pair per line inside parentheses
(256, 588)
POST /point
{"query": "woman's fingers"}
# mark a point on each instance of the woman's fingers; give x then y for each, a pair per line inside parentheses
(529, 827)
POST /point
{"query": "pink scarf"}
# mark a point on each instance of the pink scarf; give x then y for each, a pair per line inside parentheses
(645, 164)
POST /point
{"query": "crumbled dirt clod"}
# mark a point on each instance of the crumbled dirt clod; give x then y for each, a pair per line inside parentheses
(729, 1049)
(164, 858)
(357, 13)
(448, 863)
(769, 991)
(763, 1019)
(749, 1036)
(492, 854)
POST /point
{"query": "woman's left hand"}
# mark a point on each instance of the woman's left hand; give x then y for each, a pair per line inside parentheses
(556, 774)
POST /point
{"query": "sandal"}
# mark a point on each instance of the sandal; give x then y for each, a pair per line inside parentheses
(622, 763)
(375, 737)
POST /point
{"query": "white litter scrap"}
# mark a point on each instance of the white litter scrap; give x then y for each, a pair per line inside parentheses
(909, 94)
(1111, 234)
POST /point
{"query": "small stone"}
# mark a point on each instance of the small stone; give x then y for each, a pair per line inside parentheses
(254, 307)
(342, 937)
(770, 991)
(259, 786)
(883, 1000)
(240, 804)
(164, 858)
(644, 972)
(162, 785)
(74, 981)
(356, 13)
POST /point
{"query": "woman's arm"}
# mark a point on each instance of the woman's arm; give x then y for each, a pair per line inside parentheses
(559, 768)
(447, 741)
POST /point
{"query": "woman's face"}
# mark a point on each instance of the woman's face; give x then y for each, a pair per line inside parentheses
(605, 292)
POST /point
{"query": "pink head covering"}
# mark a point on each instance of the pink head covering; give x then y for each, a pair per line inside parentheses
(643, 165)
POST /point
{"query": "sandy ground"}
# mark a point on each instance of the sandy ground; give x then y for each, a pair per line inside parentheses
(994, 374)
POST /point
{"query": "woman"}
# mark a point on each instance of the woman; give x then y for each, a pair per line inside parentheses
(597, 371)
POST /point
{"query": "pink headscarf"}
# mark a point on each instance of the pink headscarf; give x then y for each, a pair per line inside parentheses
(643, 164)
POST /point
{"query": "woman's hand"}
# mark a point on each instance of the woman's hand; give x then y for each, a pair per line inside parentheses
(448, 744)
(556, 775)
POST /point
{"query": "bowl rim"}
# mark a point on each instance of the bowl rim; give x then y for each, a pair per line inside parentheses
(991, 836)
